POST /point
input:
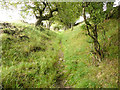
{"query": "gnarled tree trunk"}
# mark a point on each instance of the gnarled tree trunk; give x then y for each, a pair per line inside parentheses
(97, 51)
(97, 47)
(39, 16)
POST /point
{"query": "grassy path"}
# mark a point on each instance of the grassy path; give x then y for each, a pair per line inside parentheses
(78, 70)
(59, 80)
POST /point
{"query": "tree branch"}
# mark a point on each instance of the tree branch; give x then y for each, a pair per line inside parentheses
(87, 23)
(46, 17)
(44, 6)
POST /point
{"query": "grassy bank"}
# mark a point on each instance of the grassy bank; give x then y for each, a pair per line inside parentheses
(28, 56)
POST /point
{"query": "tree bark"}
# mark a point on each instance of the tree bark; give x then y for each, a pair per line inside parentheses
(97, 44)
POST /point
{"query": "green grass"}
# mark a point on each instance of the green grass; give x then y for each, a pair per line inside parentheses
(30, 57)
(29, 62)
(80, 70)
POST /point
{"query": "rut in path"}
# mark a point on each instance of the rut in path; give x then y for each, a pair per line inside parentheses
(60, 80)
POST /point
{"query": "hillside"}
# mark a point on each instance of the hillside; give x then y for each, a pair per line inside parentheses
(40, 58)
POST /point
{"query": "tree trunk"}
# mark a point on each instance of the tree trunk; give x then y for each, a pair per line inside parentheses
(97, 44)
(71, 27)
(39, 22)
(98, 52)
(49, 24)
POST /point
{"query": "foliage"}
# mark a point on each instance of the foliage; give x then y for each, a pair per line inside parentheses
(97, 15)
(68, 12)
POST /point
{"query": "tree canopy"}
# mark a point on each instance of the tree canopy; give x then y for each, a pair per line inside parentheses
(68, 13)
